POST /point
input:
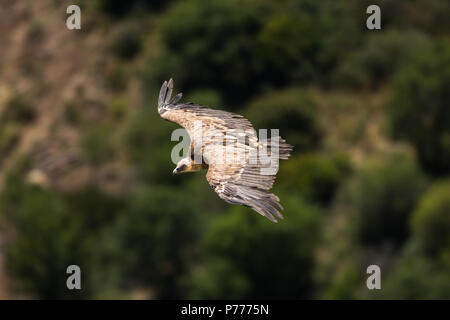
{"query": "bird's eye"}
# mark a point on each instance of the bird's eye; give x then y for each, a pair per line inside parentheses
(182, 168)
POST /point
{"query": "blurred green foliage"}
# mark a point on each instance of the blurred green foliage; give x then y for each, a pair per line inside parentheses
(431, 221)
(380, 56)
(46, 245)
(253, 45)
(417, 277)
(18, 109)
(383, 193)
(292, 111)
(157, 258)
(96, 144)
(9, 136)
(315, 176)
(54, 231)
(417, 15)
(422, 270)
(262, 259)
(116, 79)
(206, 97)
(419, 108)
(126, 42)
(120, 9)
(146, 141)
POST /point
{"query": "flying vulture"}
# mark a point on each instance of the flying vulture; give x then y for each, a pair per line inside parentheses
(241, 167)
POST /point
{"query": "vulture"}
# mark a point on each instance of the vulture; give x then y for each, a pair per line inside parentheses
(241, 168)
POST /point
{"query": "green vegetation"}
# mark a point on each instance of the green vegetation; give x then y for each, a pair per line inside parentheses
(315, 176)
(431, 221)
(252, 45)
(383, 194)
(380, 56)
(96, 144)
(149, 262)
(127, 41)
(53, 232)
(18, 110)
(293, 112)
(243, 243)
(422, 271)
(419, 108)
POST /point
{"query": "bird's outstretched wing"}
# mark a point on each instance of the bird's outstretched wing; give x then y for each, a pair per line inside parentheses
(239, 182)
(185, 114)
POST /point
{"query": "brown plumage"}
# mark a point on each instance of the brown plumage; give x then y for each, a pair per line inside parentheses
(238, 182)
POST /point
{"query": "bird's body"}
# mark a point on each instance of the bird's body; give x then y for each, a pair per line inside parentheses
(226, 145)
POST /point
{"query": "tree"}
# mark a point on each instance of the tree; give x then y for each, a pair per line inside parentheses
(431, 221)
(261, 259)
(419, 110)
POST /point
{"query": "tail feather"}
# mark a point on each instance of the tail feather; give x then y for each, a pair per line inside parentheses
(284, 149)
(265, 203)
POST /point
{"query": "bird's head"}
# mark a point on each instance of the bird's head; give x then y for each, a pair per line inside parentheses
(186, 165)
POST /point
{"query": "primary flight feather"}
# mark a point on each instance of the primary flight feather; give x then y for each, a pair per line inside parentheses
(246, 179)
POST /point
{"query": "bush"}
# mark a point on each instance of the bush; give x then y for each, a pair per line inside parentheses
(314, 176)
(116, 79)
(293, 112)
(431, 220)
(159, 231)
(207, 40)
(205, 97)
(47, 242)
(217, 279)
(147, 140)
(379, 57)
(127, 41)
(242, 48)
(416, 277)
(419, 110)
(87, 113)
(72, 113)
(117, 108)
(266, 260)
(343, 279)
(416, 15)
(382, 195)
(52, 231)
(18, 110)
(35, 33)
(9, 137)
(120, 9)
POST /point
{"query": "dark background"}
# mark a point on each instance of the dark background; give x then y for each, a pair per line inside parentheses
(85, 169)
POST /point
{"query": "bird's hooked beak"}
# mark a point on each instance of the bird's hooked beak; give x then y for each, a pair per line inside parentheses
(180, 169)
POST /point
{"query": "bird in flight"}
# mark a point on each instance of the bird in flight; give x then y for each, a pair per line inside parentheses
(241, 167)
